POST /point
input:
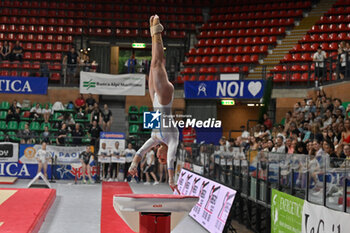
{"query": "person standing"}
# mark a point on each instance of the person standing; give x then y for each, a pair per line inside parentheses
(85, 158)
(116, 153)
(319, 59)
(129, 155)
(71, 59)
(149, 169)
(42, 156)
(94, 133)
(107, 119)
(102, 155)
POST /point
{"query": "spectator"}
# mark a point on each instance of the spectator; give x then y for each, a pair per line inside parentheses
(107, 119)
(68, 120)
(17, 52)
(79, 102)
(102, 154)
(77, 135)
(13, 112)
(129, 155)
(149, 168)
(131, 64)
(342, 63)
(319, 59)
(321, 156)
(267, 121)
(245, 135)
(85, 158)
(94, 132)
(35, 112)
(45, 136)
(279, 147)
(61, 135)
(90, 103)
(114, 170)
(71, 59)
(346, 163)
(25, 135)
(5, 51)
(46, 112)
(345, 136)
(162, 160)
(81, 114)
(188, 135)
(300, 148)
(95, 114)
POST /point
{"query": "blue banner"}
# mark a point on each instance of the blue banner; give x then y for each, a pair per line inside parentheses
(237, 89)
(23, 85)
(112, 135)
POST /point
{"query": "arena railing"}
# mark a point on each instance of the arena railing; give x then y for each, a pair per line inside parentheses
(254, 173)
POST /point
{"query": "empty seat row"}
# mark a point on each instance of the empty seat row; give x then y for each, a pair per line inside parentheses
(29, 65)
(243, 32)
(40, 29)
(334, 19)
(258, 15)
(330, 28)
(237, 41)
(313, 47)
(299, 77)
(181, 79)
(213, 69)
(229, 50)
(249, 24)
(45, 47)
(241, 7)
(221, 59)
(36, 37)
(325, 37)
(339, 11)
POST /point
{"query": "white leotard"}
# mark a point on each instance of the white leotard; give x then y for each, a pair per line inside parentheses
(168, 135)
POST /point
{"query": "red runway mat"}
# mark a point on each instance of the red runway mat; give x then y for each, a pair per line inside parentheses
(110, 220)
(24, 210)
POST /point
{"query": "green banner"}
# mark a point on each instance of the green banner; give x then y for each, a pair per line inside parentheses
(286, 213)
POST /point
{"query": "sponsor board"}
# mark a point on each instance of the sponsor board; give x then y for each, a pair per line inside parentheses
(107, 84)
(23, 85)
(110, 139)
(320, 219)
(238, 89)
(215, 200)
(286, 212)
(8, 152)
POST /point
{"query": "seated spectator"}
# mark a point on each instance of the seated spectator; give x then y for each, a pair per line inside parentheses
(79, 102)
(77, 135)
(94, 132)
(13, 112)
(35, 112)
(90, 102)
(267, 121)
(81, 114)
(279, 146)
(61, 135)
(46, 112)
(68, 120)
(345, 135)
(346, 152)
(107, 118)
(17, 52)
(45, 136)
(5, 51)
(25, 135)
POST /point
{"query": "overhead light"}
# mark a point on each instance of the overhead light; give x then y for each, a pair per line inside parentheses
(227, 102)
(138, 45)
(88, 49)
(250, 105)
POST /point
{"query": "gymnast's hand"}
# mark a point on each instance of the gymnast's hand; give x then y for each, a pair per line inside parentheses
(133, 169)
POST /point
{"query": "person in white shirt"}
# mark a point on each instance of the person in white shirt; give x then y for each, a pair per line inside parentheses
(342, 63)
(35, 112)
(46, 113)
(149, 167)
(245, 135)
(319, 58)
(102, 154)
(129, 155)
(116, 153)
(42, 156)
(279, 147)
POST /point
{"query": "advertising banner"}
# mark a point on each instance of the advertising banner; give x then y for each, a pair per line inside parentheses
(286, 212)
(8, 152)
(215, 200)
(321, 219)
(23, 85)
(110, 139)
(64, 154)
(238, 89)
(107, 84)
(20, 170)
